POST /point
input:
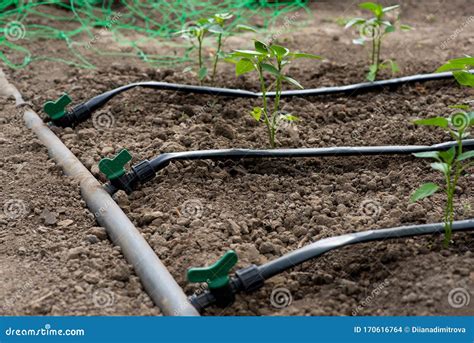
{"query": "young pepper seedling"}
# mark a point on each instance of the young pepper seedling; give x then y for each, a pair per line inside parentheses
(374, 30)
(270, 59)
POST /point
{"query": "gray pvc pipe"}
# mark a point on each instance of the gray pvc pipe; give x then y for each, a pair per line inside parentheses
(156, 279)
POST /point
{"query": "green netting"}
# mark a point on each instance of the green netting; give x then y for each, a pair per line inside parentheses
(133, 24)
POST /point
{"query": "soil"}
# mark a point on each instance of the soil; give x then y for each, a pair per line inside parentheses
(56, 261)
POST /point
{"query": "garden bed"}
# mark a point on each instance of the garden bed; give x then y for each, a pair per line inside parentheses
(194, 211)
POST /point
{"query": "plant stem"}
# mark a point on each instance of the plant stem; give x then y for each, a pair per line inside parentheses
(265, 113)
(200, 56)
(276, 105)
(377, 55)
(216, 58)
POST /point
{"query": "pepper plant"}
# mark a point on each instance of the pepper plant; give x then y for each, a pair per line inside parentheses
(374, 30)
(454, 162)
(271, 59)
(214, 25)
(460, 68)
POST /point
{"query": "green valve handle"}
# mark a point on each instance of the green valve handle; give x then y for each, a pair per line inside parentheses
(57, 109)
(217, 275)
(114, 168)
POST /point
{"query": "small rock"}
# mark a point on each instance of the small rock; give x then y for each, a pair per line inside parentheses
(107, 150)
(462, 271)
(48, 217)
(65, 223)
(99, 232)
(40, 307)
(120, 273)
(92, 239)
(92, 278)
(225, 130)
(412, 297)
(22, 250)
(349, 287)
(76, 253)
(266, 247)
(233, 227)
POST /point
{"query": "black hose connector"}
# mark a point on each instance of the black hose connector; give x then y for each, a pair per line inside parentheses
(72, 118)
(139, 174)
(248, 279)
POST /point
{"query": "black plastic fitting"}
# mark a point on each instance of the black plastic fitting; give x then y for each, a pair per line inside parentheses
(248, 279)
(140, 173)
(72, 118)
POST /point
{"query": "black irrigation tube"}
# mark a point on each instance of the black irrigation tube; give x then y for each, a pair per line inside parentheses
(84, 110)
(146, 170)
(253, 277)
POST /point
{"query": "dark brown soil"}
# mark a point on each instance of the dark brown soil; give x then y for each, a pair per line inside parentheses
(194, 211)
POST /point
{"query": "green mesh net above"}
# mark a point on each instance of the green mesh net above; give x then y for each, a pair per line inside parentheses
(133, 25)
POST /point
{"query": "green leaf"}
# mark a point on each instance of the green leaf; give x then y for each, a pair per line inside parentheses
(465, 155)
(289, 117)
(374, 8)
(271, 69)
(457, 64)
(216, 29)
(460, 107)
(436, 121)
(427, 154)
(390, 28)
(372, 72)
(390, 64)
(202, 73)
(279, 51)
(293, 82)
(354, 21)
(261, 47)
(390, 8)
(296, 55)
(448, 156)
(405, 27)
(424, 191)
(439, 166)
(244, 66)
(358, 41)
(464, 78)
(246, 28)
(187, 69)
(247, 53)
(257, 113)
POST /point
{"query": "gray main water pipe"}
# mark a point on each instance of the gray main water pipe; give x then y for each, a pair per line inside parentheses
(156, 279)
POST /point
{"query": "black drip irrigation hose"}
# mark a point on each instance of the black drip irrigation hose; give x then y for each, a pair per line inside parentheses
(146, 170)
(253, 277)
(84, 110)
